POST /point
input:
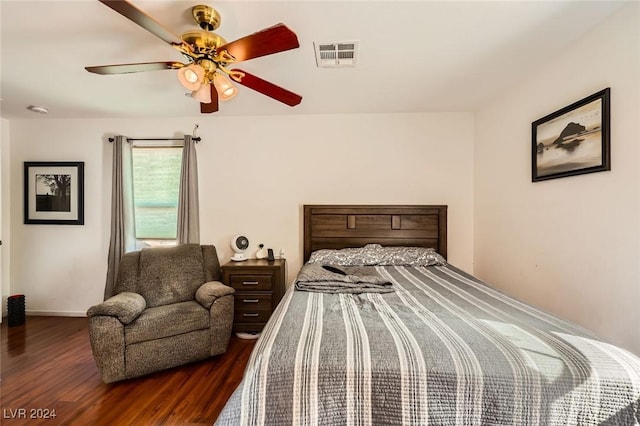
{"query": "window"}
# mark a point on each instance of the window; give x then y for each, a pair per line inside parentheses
(156, 187)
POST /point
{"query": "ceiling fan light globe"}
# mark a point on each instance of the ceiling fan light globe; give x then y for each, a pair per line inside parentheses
(225, 89)
(203, 94)
(191, 76)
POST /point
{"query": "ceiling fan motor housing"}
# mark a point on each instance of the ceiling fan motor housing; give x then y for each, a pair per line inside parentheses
(203, 42)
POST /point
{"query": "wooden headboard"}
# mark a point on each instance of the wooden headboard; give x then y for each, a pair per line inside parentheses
(341, 226)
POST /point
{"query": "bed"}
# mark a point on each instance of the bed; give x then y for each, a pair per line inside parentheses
(440, 348)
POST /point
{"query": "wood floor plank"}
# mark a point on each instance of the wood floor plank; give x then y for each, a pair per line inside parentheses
(47, 364)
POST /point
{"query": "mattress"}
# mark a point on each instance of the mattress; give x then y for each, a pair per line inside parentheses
(442, 349)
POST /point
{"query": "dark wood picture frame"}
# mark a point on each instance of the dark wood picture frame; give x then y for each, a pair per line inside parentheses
(573, 140)
(54, 192)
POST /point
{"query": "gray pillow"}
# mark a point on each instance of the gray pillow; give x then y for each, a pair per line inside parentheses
(375, 254)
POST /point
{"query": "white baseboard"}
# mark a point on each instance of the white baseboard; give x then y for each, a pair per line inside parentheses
(55, 313)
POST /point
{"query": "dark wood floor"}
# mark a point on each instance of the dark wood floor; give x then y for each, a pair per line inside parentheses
(47, 366)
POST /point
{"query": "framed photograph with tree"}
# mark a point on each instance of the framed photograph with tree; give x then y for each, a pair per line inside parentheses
(54, 193)
(573, 140)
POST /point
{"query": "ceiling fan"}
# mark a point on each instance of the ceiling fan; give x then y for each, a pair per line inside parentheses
(209, 56)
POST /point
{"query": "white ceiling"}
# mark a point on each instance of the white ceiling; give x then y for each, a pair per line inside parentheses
(414, 56)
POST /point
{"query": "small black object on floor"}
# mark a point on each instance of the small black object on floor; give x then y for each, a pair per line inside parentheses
(15, 309)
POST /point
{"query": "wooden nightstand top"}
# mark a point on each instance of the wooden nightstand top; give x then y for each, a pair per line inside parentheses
(253, 263)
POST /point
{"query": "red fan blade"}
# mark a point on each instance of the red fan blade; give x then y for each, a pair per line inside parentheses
(270, 40)
(213, 106)
(136, 15)
(266, 88)
(129, 68)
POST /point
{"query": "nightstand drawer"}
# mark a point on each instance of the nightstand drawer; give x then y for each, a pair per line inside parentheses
(255, 315)
(251, 282)
(252, 301)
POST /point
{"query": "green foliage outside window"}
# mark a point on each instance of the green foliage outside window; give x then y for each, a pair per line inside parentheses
(156, 186)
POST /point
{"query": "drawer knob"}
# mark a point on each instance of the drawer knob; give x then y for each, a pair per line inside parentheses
(250, 300)
(250, 315)
(250, 283)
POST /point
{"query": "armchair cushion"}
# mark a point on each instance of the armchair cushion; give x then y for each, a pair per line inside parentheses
(166, 321)
(209, 292)
(171, 274)
(125, 306)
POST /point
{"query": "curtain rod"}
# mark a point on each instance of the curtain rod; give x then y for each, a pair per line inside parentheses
(196, 139)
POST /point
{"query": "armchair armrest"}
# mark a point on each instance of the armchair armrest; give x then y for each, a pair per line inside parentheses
(125, 306)
(210, 291)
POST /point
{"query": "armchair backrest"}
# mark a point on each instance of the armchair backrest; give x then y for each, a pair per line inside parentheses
(168, 274)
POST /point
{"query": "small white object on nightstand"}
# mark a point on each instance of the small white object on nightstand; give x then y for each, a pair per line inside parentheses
(239, 244)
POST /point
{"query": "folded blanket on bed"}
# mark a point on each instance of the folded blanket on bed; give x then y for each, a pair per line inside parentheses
(346, 279)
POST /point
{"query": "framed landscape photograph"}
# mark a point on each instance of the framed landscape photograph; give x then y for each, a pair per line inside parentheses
(573, 140)
(54, 193)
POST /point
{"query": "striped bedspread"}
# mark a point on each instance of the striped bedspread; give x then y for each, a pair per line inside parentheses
(443, 349)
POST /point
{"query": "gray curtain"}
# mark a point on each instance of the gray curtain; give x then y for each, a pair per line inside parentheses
(122, 219)
(188, 205)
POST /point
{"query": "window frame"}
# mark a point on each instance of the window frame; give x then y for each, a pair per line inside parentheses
(151, 144)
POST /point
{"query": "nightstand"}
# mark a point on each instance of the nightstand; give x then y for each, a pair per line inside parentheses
(259, 285)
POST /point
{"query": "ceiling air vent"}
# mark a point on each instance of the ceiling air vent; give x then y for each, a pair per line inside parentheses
(336, 54)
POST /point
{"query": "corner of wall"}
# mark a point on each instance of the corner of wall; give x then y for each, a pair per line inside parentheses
(5, 215)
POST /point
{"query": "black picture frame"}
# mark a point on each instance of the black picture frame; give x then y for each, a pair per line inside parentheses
(574, 140)
(54, 192)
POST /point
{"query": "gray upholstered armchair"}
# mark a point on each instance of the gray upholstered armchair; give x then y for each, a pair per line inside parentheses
(169, 309)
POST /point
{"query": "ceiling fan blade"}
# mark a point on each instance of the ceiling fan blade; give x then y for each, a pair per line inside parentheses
(270, 40)
(129, 68)
(266, 88)
(213, 106)
(136, 15)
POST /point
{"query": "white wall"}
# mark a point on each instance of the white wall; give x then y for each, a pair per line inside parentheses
(255, 174)
(57, 267)
(570, 245)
